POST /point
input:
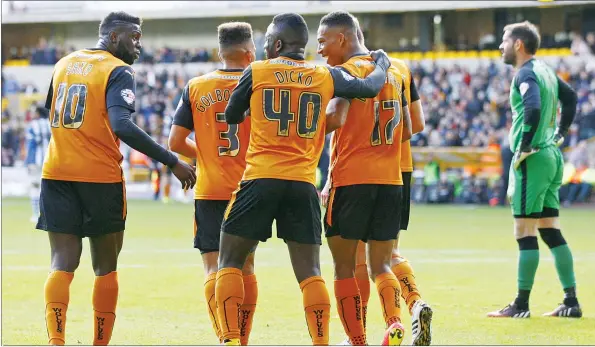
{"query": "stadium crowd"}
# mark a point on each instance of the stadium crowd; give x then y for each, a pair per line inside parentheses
(47, 52)
(462, 109)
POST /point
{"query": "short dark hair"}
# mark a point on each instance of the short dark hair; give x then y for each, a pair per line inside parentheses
(114, 19)
(292, 28)
(234, 33)
(339, 18)
(526, 32)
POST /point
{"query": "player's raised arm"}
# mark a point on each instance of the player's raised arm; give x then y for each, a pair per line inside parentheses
(120, 105)
(568, 100)
(347, 86)
(239, 101)
(418, 121)
(183, 124)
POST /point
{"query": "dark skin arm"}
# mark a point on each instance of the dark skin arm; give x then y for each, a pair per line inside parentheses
(407, 128)
(336, 114)
(183, 125)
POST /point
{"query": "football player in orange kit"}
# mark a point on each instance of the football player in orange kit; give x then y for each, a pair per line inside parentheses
(287, 98)
(421, 313)
(91, 98)
(220, 150)
(366, 181)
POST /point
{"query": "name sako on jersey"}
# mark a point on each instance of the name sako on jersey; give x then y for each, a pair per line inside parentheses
(366, 150)
(221, 157)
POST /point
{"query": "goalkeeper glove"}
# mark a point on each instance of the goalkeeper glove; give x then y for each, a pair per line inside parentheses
(522, 154)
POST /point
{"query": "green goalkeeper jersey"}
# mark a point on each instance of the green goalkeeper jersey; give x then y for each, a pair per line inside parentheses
(545, 97)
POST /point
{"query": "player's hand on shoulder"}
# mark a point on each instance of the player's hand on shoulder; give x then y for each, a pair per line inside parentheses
(185, 173)
(381, 59)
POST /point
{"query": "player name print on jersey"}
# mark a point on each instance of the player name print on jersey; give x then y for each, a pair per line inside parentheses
(287, 108)
(222, 147)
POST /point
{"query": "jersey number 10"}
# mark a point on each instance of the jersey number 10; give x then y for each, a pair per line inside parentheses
(73, 113)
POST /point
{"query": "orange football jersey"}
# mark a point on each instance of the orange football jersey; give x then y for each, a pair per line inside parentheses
(221, 155)
(406, 159)
(287, 110)
(366, 150)
(83, 146)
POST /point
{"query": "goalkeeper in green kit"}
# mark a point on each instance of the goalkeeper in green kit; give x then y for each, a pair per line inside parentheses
(537, 167)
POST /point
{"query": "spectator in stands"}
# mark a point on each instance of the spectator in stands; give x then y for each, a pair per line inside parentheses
(591, 42)
(573, 137)
(9, 140)
(579, 46)
(43, 54)
(431, 180)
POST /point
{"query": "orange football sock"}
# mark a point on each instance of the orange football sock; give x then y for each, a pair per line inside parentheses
(248, 307)
(229, 294)
(317, 307)
(389, 293)
(363, 283)
(105, 299)
(404, 273)
(57, 296)
(212, 303)
(350, 312)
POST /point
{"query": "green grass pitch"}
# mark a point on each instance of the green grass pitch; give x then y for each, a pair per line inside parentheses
(464, 258)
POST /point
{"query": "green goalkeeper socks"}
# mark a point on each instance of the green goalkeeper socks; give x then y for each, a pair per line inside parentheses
(528, 263)
(562, 255)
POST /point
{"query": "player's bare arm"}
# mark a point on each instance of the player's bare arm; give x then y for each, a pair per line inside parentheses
(418, 121)
(179, 142)
(122, 86)
(183, 125)
(336, 114)
(568, 99)
(407, 129)
(527, 83)
(239, 102)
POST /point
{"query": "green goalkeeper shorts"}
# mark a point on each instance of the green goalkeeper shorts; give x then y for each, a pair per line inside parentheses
(534, 188)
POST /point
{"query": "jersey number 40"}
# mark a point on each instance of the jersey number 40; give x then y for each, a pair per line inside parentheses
(72, 112)
(308, 112)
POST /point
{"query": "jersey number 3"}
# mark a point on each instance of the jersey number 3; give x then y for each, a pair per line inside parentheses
(73, 111)
(231, 135)
(308, 112)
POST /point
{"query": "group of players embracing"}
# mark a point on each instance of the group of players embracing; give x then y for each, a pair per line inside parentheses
(260, 128)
